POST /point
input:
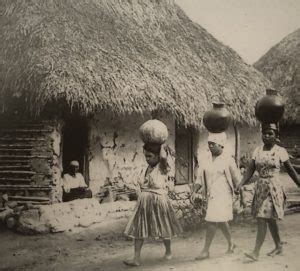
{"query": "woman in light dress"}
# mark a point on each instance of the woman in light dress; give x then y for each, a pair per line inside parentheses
(219, 178)
(269, 198)
(154, 215)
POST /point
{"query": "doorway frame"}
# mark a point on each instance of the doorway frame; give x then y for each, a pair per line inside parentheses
(84, 161)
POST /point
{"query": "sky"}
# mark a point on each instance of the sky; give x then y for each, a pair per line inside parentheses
(250, 27)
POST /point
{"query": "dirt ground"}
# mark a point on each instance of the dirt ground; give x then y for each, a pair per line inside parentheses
(84, 251)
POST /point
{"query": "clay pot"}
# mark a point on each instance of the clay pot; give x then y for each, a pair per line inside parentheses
(217, 119)
(154, 131)
(270, 108)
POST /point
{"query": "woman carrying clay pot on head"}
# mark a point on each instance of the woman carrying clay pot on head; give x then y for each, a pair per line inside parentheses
(269, 197)
(219, 178)
(154, 215)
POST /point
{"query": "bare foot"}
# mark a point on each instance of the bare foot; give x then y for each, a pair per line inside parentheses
(204, 255)
(276, 251)
(253, 256)
(167, 257)
(132, 263)
(231, 249)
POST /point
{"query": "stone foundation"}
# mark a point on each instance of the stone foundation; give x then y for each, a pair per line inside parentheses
(68, 216)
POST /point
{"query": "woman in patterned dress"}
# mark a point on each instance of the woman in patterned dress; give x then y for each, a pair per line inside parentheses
(154, 215)
(219, 178)
(269, 197)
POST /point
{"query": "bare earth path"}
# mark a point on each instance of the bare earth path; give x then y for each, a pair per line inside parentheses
(81, 251)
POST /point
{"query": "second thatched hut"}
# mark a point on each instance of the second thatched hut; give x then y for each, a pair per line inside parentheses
(281, 65)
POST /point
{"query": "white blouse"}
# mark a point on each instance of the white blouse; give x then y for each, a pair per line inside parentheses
(70, 182)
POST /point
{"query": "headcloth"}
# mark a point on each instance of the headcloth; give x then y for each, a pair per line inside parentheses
(219, 138)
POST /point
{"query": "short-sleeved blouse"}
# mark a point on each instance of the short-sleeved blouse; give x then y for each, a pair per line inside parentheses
(154, 181)
(268, 162)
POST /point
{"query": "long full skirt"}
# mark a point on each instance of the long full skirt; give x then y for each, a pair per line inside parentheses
(153, 216)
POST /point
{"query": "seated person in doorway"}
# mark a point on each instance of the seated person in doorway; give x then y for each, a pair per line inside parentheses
(74, 186)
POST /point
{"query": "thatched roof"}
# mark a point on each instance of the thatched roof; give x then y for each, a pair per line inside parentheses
(120, 55)
(281, 64)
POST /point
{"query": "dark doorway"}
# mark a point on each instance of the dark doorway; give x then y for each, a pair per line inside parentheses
(184, 155)
(74, 147)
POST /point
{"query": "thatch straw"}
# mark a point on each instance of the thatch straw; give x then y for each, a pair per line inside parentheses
(281, 64)
(120, 55)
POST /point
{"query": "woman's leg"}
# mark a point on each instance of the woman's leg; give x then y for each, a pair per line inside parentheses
(168, 253)
(261, 234)
(210, 234)
(138, 243)
(276, 237)
(260, 238)
(225, 228)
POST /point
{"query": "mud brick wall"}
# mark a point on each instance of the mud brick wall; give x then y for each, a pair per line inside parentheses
(29, 161)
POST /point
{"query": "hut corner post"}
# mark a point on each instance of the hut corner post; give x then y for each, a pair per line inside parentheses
(237, 144)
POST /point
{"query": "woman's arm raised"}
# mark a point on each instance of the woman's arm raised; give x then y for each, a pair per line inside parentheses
(163, 163)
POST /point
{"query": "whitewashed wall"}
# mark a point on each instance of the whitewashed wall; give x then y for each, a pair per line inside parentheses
(115, 150)
(56, 169)
(250, 138)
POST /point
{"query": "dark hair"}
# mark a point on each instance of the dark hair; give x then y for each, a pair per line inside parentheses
(152, 147)
(155, 149)
(273, 127)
